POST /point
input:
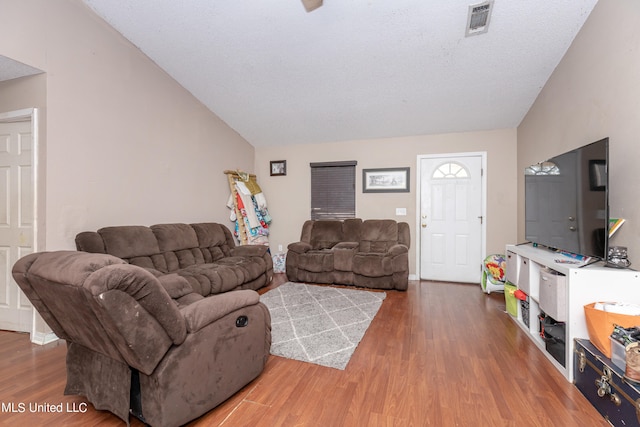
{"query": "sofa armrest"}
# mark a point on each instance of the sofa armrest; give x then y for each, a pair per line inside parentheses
(346, 245)
(206, 311)
(299, 247)
(397, 250)
(249, 250)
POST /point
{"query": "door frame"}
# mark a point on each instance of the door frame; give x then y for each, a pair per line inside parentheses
(32, 114)
(483, 186)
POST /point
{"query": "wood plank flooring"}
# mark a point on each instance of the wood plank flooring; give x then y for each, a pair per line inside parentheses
(440, 354)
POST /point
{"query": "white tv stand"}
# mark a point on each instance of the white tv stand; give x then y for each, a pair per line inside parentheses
(581, 285)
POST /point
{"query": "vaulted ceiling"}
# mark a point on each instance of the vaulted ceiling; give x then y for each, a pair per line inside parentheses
(352, 69)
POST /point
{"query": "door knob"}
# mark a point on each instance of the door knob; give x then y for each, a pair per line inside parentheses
(424, 225)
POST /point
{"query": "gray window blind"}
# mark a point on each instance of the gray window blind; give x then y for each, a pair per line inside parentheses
(333, 190)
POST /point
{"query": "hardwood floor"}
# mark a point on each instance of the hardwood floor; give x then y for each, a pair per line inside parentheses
(440, 354)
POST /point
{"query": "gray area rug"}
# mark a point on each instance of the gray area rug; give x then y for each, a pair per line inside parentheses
(319, 324)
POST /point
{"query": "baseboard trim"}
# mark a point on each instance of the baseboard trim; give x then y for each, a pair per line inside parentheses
(41, 338)
(413, 277)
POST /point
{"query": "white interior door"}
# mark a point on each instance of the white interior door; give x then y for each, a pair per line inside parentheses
(451, 218)
(16, 219)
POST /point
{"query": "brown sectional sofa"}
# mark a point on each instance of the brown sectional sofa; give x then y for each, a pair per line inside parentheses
(162, 322)
(201, 257)
(372, 253)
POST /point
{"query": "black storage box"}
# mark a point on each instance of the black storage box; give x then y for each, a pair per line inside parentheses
(603, 384)
(554, 335)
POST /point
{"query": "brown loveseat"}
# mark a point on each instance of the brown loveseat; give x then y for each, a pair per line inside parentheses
(132, 348)
(373, 253)
(204, 254)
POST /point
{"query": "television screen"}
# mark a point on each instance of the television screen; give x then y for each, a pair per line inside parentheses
(566, 201)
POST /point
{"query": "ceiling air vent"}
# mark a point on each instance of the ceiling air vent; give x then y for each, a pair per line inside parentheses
(479, 17)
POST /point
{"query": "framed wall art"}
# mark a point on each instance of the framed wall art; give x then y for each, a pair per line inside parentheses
(385, 180)
(278, 167)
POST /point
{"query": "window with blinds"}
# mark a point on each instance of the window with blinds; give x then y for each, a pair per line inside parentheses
(333, 190)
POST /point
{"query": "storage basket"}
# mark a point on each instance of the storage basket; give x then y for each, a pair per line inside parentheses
(524, 309)
(600, 325)
(555, 336)
(510, 300)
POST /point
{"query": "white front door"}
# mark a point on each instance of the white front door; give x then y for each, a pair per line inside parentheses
(451, 218)
(16, 219)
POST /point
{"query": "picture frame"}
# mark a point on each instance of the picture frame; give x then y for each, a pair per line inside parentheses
(278, 167)
(385, 180)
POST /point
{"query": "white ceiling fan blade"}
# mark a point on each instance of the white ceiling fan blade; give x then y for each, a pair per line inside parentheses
(310, 5)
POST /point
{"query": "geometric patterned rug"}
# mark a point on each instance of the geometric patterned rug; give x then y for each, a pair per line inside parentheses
(319, 324)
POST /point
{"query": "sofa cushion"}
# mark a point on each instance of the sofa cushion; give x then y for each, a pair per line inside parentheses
(305, 234)
(152, 262)
(129, 241)
(317, 261)
(372, 264)
(183, 258)
(209, 279)
(187, 299)
(224, 275)
(378, 235)
(175, 285)
(325, 234)
(90, 241)
(210, 234)
(251, 268)
(213, 241)
(351, 229)
(174, 237)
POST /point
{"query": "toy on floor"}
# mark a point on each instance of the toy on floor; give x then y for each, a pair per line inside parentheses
(493, 271)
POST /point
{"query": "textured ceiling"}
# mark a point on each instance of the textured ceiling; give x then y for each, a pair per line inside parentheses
(352, 69)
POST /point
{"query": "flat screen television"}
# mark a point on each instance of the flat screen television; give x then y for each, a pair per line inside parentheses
(567, 201)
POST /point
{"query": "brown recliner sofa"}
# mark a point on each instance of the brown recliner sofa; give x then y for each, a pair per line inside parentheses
(203, 254)
(134, 348)
(372, 253)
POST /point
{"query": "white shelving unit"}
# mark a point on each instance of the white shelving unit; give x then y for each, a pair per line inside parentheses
(583, 284)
